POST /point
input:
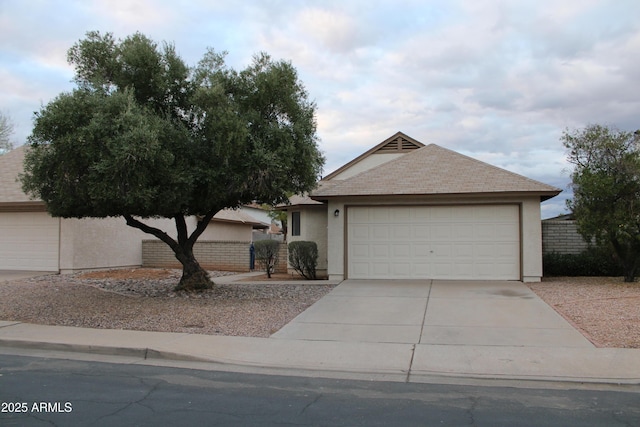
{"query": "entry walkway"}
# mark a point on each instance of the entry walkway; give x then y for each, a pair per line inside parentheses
(434, 312)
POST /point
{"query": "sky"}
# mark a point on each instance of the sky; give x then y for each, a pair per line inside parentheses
(495, 80)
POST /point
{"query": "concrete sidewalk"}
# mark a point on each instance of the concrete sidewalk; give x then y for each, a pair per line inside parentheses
(392, 330)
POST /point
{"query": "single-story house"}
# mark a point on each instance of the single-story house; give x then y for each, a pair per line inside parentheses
(30, 239)
(404, 210)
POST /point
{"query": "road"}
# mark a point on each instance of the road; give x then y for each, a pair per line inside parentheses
(38, 391)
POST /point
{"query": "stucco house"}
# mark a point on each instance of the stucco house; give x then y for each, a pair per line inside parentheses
(30, 239)
(405, 210)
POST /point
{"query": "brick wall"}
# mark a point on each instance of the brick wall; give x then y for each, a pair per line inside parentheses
(212, 255)
(562, 237)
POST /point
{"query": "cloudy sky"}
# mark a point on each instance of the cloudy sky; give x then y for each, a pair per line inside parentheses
(496, 80)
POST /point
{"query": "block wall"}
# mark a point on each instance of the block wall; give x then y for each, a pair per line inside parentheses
(212, 255)
(562, 237)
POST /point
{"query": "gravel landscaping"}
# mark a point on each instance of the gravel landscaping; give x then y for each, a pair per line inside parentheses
(144, 300)
(606, 310)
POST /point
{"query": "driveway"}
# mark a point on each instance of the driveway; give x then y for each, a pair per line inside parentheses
(434, 312)
(6, 275)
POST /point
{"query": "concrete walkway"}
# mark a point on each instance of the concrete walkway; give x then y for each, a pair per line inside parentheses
(391, 330)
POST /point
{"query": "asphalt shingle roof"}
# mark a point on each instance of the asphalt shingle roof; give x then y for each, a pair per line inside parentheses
(10, 168)
(432, 170)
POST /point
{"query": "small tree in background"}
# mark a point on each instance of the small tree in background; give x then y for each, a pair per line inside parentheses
(606, 190)
(6, 130)
(303, 257)
(267, 254)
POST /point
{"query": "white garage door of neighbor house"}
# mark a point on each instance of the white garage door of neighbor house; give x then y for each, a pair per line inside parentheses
(479, 242)
(28, 241)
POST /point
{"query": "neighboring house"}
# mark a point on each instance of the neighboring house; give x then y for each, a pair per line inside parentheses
(404, 210)
(234, 225)
(30, 239)
(273, 231)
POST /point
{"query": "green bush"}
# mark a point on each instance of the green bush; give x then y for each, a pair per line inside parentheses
(303, 257)
(267, 254)
(591, 262)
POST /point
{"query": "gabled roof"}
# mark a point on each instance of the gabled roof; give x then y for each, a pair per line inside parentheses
(399, 143)
(238, 216)
(432, 170)
(11, 195)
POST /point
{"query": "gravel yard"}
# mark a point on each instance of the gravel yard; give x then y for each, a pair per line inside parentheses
(606, 310)
(144, 300)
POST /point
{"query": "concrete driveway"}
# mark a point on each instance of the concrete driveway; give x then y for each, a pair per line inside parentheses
(434, 312)
(7, 275)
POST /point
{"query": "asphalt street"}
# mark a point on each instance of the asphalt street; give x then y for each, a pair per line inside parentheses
(40, 391)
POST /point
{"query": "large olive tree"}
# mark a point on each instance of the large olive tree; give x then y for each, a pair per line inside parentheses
(606, 190)
(144, 136)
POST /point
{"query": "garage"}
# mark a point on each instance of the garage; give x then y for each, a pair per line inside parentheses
(479, 242)
(29, 241)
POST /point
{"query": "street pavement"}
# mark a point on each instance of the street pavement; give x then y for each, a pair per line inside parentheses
(413, 331)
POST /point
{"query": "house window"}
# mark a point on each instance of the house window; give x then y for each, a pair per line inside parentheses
(295, 223)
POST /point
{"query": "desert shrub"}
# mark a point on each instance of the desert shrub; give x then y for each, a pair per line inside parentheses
(593, 261)
(303, 257)
(266, 252)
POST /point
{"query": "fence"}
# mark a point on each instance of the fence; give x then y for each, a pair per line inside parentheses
(212, 255)
(561, 236)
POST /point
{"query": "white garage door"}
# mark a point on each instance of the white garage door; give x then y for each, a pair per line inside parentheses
(28, 241)
(434, 242)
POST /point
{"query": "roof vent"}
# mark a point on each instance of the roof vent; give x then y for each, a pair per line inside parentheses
(398, 144)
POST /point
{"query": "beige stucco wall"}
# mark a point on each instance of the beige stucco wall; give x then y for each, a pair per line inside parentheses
(227, 231)
(531, 229)
(313, 228)
(94, 243)
(335, 249)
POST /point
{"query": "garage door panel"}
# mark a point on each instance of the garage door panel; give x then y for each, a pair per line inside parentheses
(380, 233)
(442, 232)
(380, 251)
(443, 242)
(421, 232)
(28, 241)
(360, 232)
(360, 251)
(402, 251)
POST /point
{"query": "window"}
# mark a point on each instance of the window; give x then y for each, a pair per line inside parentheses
(295, 223)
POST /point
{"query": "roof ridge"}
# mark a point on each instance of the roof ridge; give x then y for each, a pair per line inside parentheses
(379, 148)
(432, 170)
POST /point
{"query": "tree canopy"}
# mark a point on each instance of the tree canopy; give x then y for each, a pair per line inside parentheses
(145, 135)
(606, 190)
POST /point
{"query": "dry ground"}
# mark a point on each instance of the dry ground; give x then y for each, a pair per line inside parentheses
(604, 309)
(143, 299)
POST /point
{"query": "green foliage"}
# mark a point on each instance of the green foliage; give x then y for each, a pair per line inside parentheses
(606, 190)
(145, 135)
(267, 254)
(303, 257)
(591, 262)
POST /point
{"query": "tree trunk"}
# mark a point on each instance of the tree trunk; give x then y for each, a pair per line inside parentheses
(627, 257)
(194, 277)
